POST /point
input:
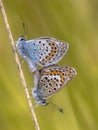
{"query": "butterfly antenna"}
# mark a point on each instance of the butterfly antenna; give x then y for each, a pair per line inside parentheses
(24, 28)
(57, 107)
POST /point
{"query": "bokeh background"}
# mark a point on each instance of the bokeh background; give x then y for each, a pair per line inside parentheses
(74, 21)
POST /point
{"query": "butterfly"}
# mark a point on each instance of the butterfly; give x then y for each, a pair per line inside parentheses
(42, 51)
(50, 80)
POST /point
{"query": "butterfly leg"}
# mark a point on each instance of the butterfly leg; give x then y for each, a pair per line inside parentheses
(32, 65)
(36, 78)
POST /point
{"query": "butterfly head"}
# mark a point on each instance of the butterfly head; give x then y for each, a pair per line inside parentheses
(21, 39)
(20, 44)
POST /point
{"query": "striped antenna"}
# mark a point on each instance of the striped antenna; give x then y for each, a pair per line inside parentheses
(24, 28)
(57, 107)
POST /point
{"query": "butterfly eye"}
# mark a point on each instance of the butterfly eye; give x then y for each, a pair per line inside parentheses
(22, 39)
(44, 102)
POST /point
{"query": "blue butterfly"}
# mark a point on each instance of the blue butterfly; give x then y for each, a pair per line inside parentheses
(42, 51)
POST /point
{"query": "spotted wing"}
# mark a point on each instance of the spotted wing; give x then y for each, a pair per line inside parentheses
(53, 79)
(47, 51)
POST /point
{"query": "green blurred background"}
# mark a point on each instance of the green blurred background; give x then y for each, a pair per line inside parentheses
(74, 21)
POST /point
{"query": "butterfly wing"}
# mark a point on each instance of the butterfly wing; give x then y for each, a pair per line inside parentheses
(54, 51)
(46, 51)
(53, 79)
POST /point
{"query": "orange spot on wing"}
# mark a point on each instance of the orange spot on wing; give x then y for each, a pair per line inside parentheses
(69, 73)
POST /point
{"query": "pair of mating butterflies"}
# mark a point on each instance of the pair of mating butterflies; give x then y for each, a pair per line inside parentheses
(46, 52)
